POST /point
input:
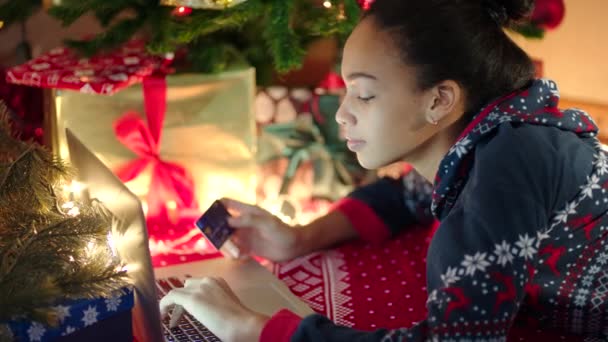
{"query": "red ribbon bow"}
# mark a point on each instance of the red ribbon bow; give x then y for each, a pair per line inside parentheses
(169, 181)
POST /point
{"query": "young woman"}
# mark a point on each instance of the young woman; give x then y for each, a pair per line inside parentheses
(519, 186)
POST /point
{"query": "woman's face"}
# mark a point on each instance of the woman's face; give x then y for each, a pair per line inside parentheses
(383, 112)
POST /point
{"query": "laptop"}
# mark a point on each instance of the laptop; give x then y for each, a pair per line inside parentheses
(255, 286)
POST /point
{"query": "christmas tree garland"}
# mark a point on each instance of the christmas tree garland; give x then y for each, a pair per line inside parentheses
(52, 247)
(256, 32)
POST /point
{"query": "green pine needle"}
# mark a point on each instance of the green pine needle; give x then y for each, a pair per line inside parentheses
(283, 27)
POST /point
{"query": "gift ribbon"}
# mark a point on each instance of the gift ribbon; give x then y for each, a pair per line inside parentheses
(169, 181)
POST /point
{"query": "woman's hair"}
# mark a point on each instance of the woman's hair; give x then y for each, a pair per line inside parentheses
(460, 40)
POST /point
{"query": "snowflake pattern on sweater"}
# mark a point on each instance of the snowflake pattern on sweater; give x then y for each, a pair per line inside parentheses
(481, 294)
(545, 263)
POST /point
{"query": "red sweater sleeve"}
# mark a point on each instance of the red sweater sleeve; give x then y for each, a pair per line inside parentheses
(363, 218)
(280, 327)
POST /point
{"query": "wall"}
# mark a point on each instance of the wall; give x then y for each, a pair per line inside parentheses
(43, 33)
(576, 53)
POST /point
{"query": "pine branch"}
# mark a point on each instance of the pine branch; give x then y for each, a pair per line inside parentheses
(27, 180)
(202, 23)
(283, 26)
(352, 11)
(284, 44)
(209, 56)
(116, 35)
(47, 256)
(338, 20)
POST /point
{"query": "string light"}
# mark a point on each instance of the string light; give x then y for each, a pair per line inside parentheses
(327, 4)
(182, 11)
(75, 187)
(74, 212)
(365, 4)
(90, 249)
(112, 245)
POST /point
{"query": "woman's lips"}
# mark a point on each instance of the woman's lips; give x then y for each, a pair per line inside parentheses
(355, 144)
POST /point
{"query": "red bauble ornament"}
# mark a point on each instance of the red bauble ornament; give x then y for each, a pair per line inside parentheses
(182, 11)
(365, 4)
(548, 13)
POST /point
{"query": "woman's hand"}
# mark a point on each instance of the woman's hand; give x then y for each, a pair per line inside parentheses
(212, 302)
(261, 233)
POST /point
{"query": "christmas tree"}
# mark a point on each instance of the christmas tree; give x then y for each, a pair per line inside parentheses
(215, 34)
(52, 247)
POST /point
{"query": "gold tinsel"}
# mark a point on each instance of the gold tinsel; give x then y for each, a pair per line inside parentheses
(46, 255)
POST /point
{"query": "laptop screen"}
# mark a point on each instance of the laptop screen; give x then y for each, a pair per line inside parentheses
(130, 235)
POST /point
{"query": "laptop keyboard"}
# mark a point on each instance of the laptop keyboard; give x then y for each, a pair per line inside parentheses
(188, 328)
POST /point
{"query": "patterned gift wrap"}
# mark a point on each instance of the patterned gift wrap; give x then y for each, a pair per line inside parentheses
(99, 319)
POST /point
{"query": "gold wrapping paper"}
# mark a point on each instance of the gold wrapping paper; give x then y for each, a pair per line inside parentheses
(209, 129)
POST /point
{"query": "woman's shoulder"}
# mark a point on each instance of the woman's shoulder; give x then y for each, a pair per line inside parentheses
(549, 161)
(535, 146)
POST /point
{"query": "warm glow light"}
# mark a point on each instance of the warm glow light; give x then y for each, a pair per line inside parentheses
(218, 185)
(144, 207)
(68, 205)
(112, 245)
(90, 249)
(327, 4)
(122, 268)
(75, 187)
(1, 24)
(182, 11)
(74, 212)
(274, 205)
(171, 205)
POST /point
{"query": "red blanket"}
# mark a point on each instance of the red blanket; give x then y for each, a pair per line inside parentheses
(363, 286)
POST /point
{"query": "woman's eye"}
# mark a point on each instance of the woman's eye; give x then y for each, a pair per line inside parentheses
(365, 99)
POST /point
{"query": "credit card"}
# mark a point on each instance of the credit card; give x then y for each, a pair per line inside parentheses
(214, 224)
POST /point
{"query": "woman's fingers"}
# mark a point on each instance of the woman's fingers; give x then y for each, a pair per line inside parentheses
(174, 297)
(242, 208)
(241, 242)
(248, 220)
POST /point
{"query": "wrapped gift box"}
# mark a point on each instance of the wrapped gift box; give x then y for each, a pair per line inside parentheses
(98, 319)
(200, 149)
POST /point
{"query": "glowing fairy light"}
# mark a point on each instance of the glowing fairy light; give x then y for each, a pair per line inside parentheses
(72, 209)
(90, 249)
(75, 187)
(68, 205)
(327, 4)
(74, 212)
(112, 245)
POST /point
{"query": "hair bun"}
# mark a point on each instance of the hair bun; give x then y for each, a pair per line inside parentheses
(508, 12)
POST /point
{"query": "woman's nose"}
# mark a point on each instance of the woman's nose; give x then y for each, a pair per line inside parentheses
(344, 117)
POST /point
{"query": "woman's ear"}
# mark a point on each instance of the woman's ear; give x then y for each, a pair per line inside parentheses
(443, 100)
